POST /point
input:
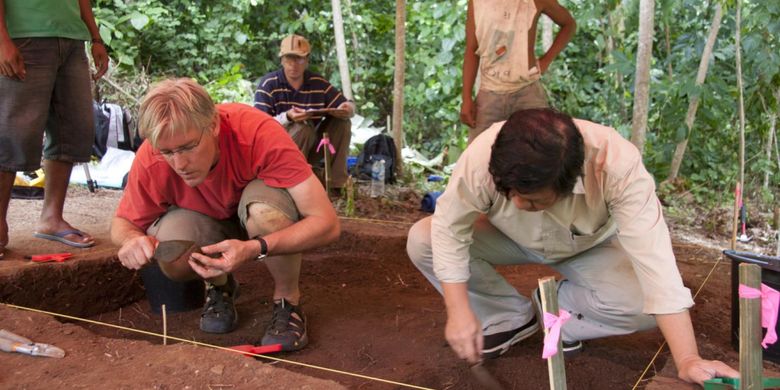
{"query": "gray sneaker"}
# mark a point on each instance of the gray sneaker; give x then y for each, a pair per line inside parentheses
(219, 312)
(288, 327)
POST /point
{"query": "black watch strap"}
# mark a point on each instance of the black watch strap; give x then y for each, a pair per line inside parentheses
(263, 248)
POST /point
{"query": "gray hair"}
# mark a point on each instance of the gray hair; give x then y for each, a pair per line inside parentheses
(175, 106)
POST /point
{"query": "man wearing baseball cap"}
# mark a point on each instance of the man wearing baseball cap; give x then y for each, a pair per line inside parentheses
(307, 105)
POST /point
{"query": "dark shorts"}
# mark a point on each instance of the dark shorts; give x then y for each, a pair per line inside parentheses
(55, 97)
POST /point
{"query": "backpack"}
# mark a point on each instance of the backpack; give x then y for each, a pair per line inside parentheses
(113, 128)
(378, 147)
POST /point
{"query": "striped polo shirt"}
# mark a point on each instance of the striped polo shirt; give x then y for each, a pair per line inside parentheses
(274, 95)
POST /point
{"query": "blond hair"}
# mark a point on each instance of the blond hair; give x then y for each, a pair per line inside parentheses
(175, 106)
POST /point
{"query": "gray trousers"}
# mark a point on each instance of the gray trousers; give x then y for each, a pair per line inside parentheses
(600, 290)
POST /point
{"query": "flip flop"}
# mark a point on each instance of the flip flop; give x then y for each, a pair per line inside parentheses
(60, 237)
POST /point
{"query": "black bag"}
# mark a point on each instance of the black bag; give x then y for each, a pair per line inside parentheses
(378, 147)
(114, 128)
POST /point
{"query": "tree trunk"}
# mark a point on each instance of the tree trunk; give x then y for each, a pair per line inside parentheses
(398, 81)
(693, 105)
(769, 143)
(774, 124)
(667, 40)
(615, 31)
(644, 55)
(741, 110)
(341, 49)
(355, 43)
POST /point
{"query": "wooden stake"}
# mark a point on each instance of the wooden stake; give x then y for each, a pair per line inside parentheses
(327, 161)
(349, 209)
(750, 354)
(165, 325)
(555, 364)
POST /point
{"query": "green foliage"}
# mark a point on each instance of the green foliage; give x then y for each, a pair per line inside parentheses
(227, 46)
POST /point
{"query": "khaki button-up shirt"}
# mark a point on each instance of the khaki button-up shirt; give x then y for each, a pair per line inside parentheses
(615, 196)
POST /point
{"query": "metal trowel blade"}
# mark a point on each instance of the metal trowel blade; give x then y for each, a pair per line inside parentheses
(485, 378)
(174, 250)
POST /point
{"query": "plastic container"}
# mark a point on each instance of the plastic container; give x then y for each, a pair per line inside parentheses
(378, 178)
(351, 162)
(177, 296)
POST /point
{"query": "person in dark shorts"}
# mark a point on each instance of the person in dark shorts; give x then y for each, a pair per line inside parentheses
(45, 84)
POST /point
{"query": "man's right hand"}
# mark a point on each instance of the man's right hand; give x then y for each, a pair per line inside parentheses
(11, 61)
(468, 113)
(464, 334)
(136, 252)
(296, 114)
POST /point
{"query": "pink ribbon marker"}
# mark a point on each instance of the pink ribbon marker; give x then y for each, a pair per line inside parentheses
(770, 301)
(553, 325)
(326, 142)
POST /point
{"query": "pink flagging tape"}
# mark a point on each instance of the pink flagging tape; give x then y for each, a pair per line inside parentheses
(326, 142)
(770, 300)
(553, 325)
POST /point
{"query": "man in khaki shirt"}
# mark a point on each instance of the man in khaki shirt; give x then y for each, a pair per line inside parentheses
(544, 188)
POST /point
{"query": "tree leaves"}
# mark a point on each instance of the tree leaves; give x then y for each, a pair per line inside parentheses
(229, 45)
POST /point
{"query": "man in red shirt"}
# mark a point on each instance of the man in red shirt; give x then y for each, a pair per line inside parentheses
(228, 178)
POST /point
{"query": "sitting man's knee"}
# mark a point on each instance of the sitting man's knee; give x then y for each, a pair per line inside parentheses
(265, 218)
(418, 243)
(630, 303)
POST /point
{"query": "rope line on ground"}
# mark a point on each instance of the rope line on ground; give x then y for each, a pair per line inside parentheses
(200, 344)
(658, 352)
(379, 221)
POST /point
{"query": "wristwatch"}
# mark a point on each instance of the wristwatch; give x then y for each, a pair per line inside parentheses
(263, 248)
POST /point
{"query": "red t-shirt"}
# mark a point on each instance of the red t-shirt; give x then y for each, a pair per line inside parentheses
(252, 146)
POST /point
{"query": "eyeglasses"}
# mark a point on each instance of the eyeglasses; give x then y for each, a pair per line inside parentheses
(184, 150)
(295, 59)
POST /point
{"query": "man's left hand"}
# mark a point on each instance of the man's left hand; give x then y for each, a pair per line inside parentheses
(699, 370)
(232, 254)
(100, 58)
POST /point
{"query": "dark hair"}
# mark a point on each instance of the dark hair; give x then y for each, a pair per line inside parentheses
(537, 149)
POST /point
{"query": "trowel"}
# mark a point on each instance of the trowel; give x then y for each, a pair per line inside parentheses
(12, 342)
(485, 379)
(175, 250)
